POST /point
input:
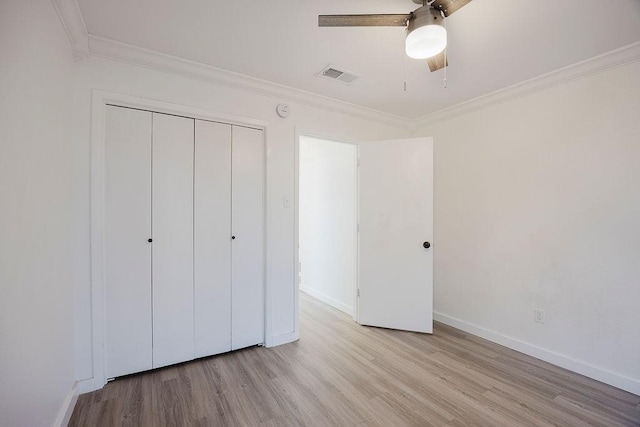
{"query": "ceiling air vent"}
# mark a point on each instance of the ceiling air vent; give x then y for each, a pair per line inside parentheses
(342, 76)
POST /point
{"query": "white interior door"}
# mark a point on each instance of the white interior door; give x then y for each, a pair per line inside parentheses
(172, 232)
(247, 247)
(396, 219)
(127, 251)
(212, 238)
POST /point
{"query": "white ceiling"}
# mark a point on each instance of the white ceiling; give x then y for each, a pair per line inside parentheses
(492, 43)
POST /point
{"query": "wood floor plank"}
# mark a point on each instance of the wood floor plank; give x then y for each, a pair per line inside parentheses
(340, 373)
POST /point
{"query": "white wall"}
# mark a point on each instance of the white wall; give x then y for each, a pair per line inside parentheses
(36, 293)
(147, 83)
(328, 203)
(537, 205)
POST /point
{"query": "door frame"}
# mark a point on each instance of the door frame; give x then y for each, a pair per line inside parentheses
(296, 243)
(99, 101)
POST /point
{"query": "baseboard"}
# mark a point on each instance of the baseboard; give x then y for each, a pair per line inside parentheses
(328, 300)
(620, 381)
(62, 420)
(88, 385)
(91, 384)
(285, 338)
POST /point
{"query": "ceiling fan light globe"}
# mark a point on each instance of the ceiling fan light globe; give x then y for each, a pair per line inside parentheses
(425, 42)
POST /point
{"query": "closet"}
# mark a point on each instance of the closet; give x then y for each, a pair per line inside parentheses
(183, 239)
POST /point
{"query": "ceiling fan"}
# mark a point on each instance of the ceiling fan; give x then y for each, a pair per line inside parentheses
(426, 35)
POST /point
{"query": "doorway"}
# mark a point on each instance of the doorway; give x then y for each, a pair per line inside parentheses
(327, 223)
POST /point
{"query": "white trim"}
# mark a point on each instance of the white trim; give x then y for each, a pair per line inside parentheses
(98, 118)
(617, 380)
(266, 294)
(64, 415)
(100, 100)
(579, 70)
(176, 109)
(296, 237)
(71, 18)
(285, 338)
(111, 49)
(84, 44)
(87, 385)
(114, 50)
(356, 291)
(328, 300)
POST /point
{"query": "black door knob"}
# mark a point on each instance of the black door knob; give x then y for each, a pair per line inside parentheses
(150, 240)
(426, 245)
(233, 237)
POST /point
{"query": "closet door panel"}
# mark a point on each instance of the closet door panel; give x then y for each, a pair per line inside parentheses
(212, 238)
(247, 248)
(127, 251)
(172, 222)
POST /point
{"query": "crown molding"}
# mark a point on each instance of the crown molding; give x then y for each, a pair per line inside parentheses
(71, 17)
(84, 44)
(123, 52)
(597, 64)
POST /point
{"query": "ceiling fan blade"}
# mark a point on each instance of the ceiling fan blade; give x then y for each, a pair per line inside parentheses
(363, 20)
(449, 6)
(437, 62)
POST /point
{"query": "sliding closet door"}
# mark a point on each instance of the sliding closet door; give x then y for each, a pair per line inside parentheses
(212, 238)
(172, 222)
(127, 252)
(247, 227)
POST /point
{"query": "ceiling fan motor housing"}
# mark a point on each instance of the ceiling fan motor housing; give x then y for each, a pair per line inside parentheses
(425, 15)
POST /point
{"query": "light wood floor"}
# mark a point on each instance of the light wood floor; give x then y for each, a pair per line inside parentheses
(340, 373)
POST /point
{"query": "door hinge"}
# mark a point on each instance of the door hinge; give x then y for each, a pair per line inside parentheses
(358, 227)
(358, 291)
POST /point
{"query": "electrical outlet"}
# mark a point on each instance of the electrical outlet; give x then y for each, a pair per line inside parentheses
(539, 316)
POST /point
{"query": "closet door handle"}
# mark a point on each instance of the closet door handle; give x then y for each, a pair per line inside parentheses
(233, 237)
(149, 240)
